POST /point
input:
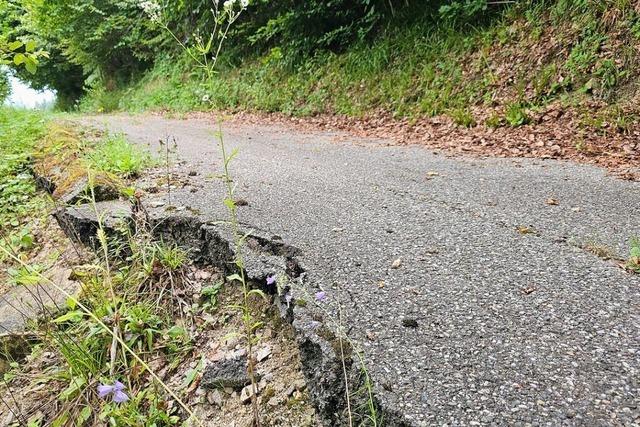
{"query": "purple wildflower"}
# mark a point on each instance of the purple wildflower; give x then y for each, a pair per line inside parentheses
(288, 298)
(321, 296)
(271, 279)
(119, 396)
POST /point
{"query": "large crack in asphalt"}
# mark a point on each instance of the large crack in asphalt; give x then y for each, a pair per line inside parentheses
(483, 319)
(326, 360)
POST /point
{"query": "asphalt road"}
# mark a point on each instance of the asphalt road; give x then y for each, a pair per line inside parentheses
(495, 315)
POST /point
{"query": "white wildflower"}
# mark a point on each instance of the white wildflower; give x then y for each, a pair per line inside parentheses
(152, 9)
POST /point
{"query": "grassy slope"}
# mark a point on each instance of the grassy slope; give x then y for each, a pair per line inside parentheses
(581, 53)
(20, 204)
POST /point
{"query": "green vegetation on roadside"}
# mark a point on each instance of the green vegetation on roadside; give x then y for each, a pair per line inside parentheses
(115, 155)
(479, 62)
(115, 326)
(526, 57)
(20, 132)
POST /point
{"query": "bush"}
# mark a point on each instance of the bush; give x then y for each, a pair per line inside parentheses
(462, 11)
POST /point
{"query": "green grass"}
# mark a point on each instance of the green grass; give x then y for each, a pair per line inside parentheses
(20, 130)
(633, 262)
(134, 296)
(422, 68)
(20, 203)
(116, 156)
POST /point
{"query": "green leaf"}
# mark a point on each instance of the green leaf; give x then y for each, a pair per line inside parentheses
(176, 331)
(229, 203)
(83, 416)
(192, 374)
(15, 45)
(61, 420)
(19, 59)
(35, 420)
(234, 277)
(30, 46)
(257, 292)
(31, 66)
(27, 279)
(77, 383)
(72, 316)
(71, 303)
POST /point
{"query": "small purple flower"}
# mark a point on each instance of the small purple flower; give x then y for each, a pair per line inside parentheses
(321, 296)
(119, 396)
(271, 279)
(288, 298)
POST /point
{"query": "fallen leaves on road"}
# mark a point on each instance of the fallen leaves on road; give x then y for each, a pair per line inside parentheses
(549, 136)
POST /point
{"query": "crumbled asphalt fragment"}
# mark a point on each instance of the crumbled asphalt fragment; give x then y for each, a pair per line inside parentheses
(226, 373)
(409, 322)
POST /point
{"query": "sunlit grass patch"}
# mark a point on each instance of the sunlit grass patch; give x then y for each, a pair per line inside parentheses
(116, 155)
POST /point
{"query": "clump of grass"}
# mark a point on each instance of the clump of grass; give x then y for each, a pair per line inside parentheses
(516, 114)
(126, 314)
(108, 335)
(20, 130)
(117, 156)
(463, 117)
(633, 262)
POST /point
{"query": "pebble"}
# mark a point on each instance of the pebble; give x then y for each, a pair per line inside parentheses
(215, 398)
(246, 394)
(263, 353)
(397, 263)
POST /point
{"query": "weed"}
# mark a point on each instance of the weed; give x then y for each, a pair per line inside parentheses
(100, 99)
(112, 331)
(209, 296)
(117, 325)
(19, 133)
(25, 276)
(633, 262)
(170, 257)
(116, 155)
(251, 326)
(545, 83)
(493, 121)
(463, 117)
(516, 114)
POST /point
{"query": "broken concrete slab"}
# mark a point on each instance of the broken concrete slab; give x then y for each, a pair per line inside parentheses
(82, 222)
(225, 373)
(454, 334)
(82, 192)
(24, 304)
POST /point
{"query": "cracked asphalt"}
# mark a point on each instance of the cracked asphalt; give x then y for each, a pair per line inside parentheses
(496, 314)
